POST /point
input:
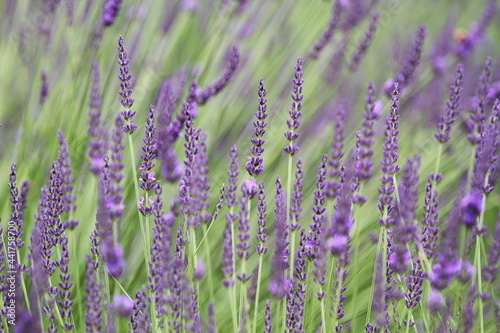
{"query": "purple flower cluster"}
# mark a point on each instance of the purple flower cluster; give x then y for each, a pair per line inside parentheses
(336, 154)
(278, 283)
(451, 110)
(296, 202)
(255, 164)
(295, 113)
(126, 88)
(147, 180)
(261, 221)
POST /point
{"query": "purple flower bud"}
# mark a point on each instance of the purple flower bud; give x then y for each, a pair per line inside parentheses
(435, 300)
(44, 90)
(448, 118)
(278, 284)
(122, 305)
(268, 328)
(414, 284)
(472, 206)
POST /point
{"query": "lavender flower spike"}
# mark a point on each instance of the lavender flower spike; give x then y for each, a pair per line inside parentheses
(221, 83)
(293, 124)
(92, 298)
(227, 255)
(448, 118)
(68, 197)
(365, 42)
(405, 75)
(388, 162)
(126, 87)
(110, 12)
(97, 143)
(261, 249)
(255, 164)
(147, 180)
(278, 284)
(365, 141)
(478, 115)
(327, 34)
(44, 90)
(268, 328)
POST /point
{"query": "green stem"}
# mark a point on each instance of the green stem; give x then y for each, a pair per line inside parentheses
(408, 320)
(209, 263)
(257, 293)
(323, 312)
(478, 264)
(232, 301)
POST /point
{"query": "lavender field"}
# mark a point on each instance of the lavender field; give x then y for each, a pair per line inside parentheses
(249, 166)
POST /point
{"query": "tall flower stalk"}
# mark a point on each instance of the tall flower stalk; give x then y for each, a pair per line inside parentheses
(291, 149)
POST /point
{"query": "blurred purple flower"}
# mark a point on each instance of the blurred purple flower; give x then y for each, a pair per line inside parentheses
(278, 283)
(363, 45)
(110, 11)
(327, 33)
(97, 135)
(44, 89)
(147, 179)
(451, 109)
(215, 88)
